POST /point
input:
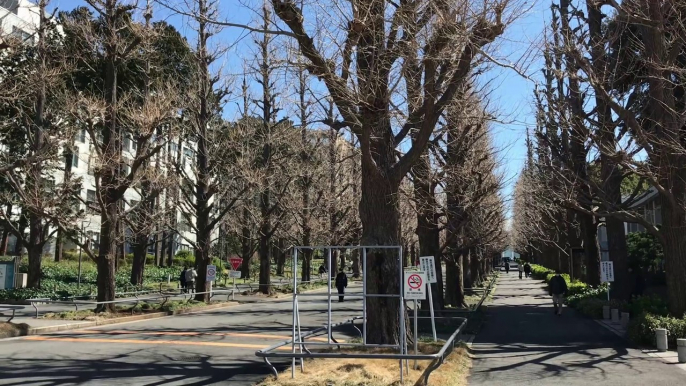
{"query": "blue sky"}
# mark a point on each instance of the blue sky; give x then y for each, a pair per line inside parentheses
(511, 94)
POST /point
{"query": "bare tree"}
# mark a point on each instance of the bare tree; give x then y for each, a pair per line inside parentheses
(363, 95)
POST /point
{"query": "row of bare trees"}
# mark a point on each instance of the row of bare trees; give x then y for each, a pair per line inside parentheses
(611, 116)
(357, 124)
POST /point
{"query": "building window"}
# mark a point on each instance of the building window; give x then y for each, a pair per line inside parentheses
(127, 142)
(189, 153)
(10, 5)
(75, 158)
(91, 163)
(81, 136)
(20, 34)
(90, 197)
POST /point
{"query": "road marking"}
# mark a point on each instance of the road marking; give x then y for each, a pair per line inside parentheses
(189, 333)
(151, 342)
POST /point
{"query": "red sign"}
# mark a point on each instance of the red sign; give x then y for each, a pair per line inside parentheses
(235, 262)
(415, 281)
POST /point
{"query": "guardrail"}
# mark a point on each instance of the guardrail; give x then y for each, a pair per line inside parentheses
(437, 359)
(4, 309)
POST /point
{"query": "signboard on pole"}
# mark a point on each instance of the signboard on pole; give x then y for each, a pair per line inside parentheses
(428, 266)
(607, 272)
(211, 272)
(235, 274)
(235, 263)
(415, 285)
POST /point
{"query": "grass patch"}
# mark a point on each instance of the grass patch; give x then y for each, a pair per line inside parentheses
(10, 330)
(376, 372)
(128, 310)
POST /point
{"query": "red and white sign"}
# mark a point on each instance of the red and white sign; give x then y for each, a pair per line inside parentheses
(415, 285)
(235, 262)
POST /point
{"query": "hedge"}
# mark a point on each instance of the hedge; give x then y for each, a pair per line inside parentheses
(647, 312)
(641, 330)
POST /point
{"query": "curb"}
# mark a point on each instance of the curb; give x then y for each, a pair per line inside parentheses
(125, 319)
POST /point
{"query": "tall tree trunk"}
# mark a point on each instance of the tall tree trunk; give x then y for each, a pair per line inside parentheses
(379, 213)
(674, 244)
(280, 256)
(265, 261)
(475, 272)
(467, 269)
(140, 250)
(23, 223)
(356, 263)
(454, 286)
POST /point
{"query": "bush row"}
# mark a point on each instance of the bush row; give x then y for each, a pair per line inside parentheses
(647, 313)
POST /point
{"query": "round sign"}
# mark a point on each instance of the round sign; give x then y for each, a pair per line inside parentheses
(414, 281)
(211, 272)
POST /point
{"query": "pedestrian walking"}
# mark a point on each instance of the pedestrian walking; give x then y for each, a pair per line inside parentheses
(527, 270)
(520, 267)
(341, 284)
(507, 267)
(557, 288)
(322, 270)
(191, 275)
(182, 279)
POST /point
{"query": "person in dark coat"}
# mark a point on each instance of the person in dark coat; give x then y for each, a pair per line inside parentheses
(557, 288)
(182, 279)
(527, 269)
(322, 270)
(341, 283)
(507, 267)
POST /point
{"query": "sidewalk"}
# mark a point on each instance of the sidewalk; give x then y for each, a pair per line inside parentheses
(524, 343)
(27, 313)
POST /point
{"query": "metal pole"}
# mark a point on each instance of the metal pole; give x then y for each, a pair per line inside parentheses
(431, 308)
(403, 330)
(416, 337)
(295, 291)
(80, 252)
(364, 296)
(233, 293)
(328, 271)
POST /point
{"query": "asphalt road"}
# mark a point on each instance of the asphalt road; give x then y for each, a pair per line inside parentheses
(524, 343)
(198, 349)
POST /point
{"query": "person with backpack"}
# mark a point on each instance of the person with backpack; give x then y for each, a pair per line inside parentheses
(182, 279)
(557, 288)
(191, 275)
(520, 267)
(341, 284)
(527, 270)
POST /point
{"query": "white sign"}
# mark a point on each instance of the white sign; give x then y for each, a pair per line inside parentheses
(235, 274)
(211, 272)
(415, 285)
(3, 274)
(607, 272)
(427, 264)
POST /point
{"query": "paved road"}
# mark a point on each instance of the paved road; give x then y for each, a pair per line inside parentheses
(524, 343)
(199, 349)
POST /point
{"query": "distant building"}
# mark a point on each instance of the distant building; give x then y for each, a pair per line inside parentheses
(648, 205)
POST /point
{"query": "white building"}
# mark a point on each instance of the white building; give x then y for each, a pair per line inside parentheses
(20, 19)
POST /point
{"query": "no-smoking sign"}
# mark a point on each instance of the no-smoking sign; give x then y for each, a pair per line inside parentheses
(415, 286)
(211, 272)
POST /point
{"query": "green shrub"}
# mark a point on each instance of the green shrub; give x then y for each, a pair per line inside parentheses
(587, 293)
(184, 258)
(591, 307)
(642, 329)
(539, 272)
(651, 304)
